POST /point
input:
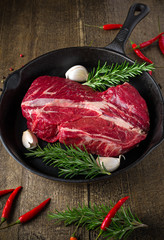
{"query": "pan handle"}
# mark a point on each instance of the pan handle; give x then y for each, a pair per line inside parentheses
(136, 13)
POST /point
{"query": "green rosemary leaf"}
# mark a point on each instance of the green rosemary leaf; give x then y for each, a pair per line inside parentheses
(108, 76)
(71, 161)
(91, 217)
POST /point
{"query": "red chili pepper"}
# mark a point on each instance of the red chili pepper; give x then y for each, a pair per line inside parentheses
(161, 43)
(8, 205)
(140, 54)
(3, 192)
(112, 26)
(29, 215)
(149, 42)
(108, 219)
(107, 26)
(73, 238)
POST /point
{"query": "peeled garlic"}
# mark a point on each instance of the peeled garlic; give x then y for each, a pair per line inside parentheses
(29, 139)
(77, 73)
(110, 163)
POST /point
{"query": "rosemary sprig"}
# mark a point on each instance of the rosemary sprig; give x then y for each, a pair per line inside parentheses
(71, 161)
(91, 217)
(107, 76)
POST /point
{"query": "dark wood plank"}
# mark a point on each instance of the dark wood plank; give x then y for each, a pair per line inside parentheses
(34, 29)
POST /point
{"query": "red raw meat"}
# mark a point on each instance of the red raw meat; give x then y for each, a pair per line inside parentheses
(108, 123)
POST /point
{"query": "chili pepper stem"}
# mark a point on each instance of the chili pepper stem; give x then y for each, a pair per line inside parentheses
(2, 221)
(12, 224)
(138, 46)
(88, 25)
(101, 231)
(73, 235)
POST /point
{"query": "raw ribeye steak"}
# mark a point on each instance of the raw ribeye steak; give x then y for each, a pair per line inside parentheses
(108, 123)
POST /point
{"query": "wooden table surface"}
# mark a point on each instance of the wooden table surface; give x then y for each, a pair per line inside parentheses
(34, 27)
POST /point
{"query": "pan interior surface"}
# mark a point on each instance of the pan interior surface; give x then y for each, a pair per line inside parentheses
(56, 63)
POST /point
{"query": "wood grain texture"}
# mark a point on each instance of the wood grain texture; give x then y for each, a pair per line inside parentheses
(34, 27)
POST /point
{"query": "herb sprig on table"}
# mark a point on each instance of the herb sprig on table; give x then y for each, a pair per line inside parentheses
(71, 161)
(91, 217)
(107, 76)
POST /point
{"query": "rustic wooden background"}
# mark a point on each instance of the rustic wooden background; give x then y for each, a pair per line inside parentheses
(34, 27)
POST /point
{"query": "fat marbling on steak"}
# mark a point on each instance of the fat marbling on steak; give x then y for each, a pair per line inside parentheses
(108, 123)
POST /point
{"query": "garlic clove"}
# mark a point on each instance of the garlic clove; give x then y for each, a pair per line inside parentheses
(77, 73)
(110, 163)
(29, 140)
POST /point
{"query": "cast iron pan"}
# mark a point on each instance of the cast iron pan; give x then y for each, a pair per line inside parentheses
(56, 63)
